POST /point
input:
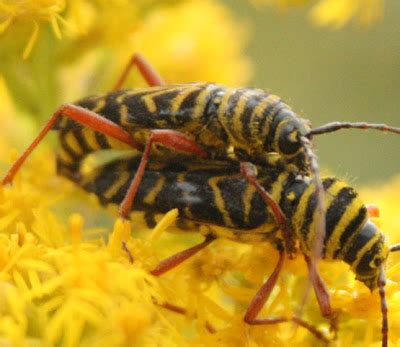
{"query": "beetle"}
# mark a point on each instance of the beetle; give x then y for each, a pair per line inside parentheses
(212, 193)
(202, 119)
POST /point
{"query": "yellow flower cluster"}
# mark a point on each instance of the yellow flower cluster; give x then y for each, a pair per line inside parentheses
(338, 13)
(31, 13)
(335, 13)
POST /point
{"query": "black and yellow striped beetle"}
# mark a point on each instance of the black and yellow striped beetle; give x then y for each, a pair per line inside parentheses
(202, 120)
(210, 192)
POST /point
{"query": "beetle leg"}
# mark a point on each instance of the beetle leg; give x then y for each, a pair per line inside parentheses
(127, 251)
(81, 115)
(176, 259)
(249, 172)
(384, 307)
(169, 138)
(180, 310)
(262, 296)
(148, 72)
(167, 265)
(321, 292)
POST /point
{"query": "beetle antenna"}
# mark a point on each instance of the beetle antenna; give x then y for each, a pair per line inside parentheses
(395, 248)
(384, 307)
(335, 126)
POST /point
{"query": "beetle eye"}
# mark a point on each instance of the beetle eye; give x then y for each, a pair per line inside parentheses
(288, 139)
(377, 262)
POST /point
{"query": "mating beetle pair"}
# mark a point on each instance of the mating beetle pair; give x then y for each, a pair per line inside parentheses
(286, 203)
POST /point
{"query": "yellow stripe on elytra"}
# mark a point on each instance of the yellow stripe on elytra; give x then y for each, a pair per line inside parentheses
(99, 105)
(224, 104)
(124, 114)
(116, 144)
(121, 99)
(329, 196)
(300, 213)
(65, 156)
(237, 124)
(200, 103)
(132, 92)
(90, 138)
(277, 132)
(273, 100)
(260, 108)
(222, 114)
(73, 143)
(116, 186)
(177, 101)
(277, 186)
(148, 99)
(349, 242)
(364, 250)
(219, 201)
(351, 212)
(256, 115)
(152, 194)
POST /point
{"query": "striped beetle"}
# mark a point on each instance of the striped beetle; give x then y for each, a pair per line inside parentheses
(212, 193)
(201, 119)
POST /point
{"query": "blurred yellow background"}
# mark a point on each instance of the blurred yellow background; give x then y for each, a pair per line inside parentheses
(328, 75)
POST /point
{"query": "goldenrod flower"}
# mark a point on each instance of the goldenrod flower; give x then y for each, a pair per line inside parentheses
(335, 13)
(338, 13)
(31, 13)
